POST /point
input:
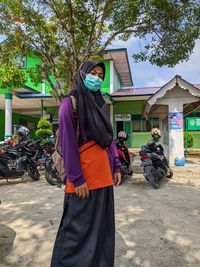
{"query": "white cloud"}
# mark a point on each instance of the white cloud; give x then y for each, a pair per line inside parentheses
(157, 81)
(145, 74)
(190, 70)
(121, 44)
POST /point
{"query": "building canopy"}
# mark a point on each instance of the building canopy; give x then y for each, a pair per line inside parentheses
(189, 106)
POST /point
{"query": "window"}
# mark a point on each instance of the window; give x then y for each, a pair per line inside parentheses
(140, 124)
(136, 123)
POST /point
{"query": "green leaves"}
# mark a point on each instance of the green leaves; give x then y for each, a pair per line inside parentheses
(64, 34)
(171, 30)
(11, 76)
(44, 128)
(190, 140)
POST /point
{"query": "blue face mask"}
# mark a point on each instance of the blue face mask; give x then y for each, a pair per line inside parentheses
(92, 82)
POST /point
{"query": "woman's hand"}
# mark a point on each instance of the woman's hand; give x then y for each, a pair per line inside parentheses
(117, 178)
(82, 191)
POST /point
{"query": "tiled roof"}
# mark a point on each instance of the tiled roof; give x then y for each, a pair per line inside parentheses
(136, 91)
(197, 86)
(121, 63)
(140, 91)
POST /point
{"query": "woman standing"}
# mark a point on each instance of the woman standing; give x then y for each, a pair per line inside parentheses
(86, 236)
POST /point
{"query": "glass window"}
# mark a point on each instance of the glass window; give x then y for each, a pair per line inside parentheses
(136, 123)
(140, 124)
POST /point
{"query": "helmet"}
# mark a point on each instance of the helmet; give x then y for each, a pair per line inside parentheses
(123, 135)
(155, 132)
(23, 132)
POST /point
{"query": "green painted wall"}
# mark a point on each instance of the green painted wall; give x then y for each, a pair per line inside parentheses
(116, 81)
(4, 91)
(130, 107)
(106, 83)
(19, 119)
(128, 130)
(138, 139)
(196, 139)
(32, 61)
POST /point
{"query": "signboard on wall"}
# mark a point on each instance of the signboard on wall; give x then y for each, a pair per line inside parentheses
(122, 117)
(176, 121)
(193, 124)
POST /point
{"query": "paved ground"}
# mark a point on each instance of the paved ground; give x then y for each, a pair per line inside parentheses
(155, 228)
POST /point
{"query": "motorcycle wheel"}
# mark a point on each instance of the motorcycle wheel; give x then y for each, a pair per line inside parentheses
(33, 171)
(152, 179)
(171, 173)
(130, 172)
(51, 176)
(154, 182)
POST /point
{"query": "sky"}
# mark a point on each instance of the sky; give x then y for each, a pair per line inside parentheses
(145, 74)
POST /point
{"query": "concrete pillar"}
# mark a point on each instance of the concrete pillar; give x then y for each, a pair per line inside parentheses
(163, 137)
(111, 77)
(8, 115)
(43, 87)
(161, 131)
(176, 136)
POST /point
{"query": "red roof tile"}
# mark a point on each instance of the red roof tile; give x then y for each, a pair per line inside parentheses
(140, 91)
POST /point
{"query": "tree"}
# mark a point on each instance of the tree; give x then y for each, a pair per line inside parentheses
(190, 140)
(66, 33)
(11, 76)
(44, 128)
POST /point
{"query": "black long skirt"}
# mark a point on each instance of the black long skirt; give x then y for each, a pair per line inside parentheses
(86, 236)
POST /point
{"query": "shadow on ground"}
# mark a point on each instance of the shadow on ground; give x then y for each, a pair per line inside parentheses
(7, 237)
(32, 211)
(158, 227)
(154, 228)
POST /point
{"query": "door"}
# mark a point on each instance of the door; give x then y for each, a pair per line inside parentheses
(120, 126)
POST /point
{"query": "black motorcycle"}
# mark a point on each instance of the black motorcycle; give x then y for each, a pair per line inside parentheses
(51, 173)
(155, 164)
(40, 151)
(15, 161)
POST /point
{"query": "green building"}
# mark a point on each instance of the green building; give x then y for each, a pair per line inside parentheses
(24, 106)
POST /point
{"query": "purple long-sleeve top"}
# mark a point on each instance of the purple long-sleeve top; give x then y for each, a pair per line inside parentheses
(70, 146)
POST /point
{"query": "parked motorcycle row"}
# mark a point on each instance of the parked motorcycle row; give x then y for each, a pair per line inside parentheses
(29, 157)
(153, 160)
(24, 156)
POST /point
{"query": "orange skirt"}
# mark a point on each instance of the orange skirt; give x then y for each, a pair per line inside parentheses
(95, 166)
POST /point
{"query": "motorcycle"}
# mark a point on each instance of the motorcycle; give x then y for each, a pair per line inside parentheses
(40, 151)
(15, 161)
(124, 154)
(51, 173)
(154, 163)
(42, 155)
